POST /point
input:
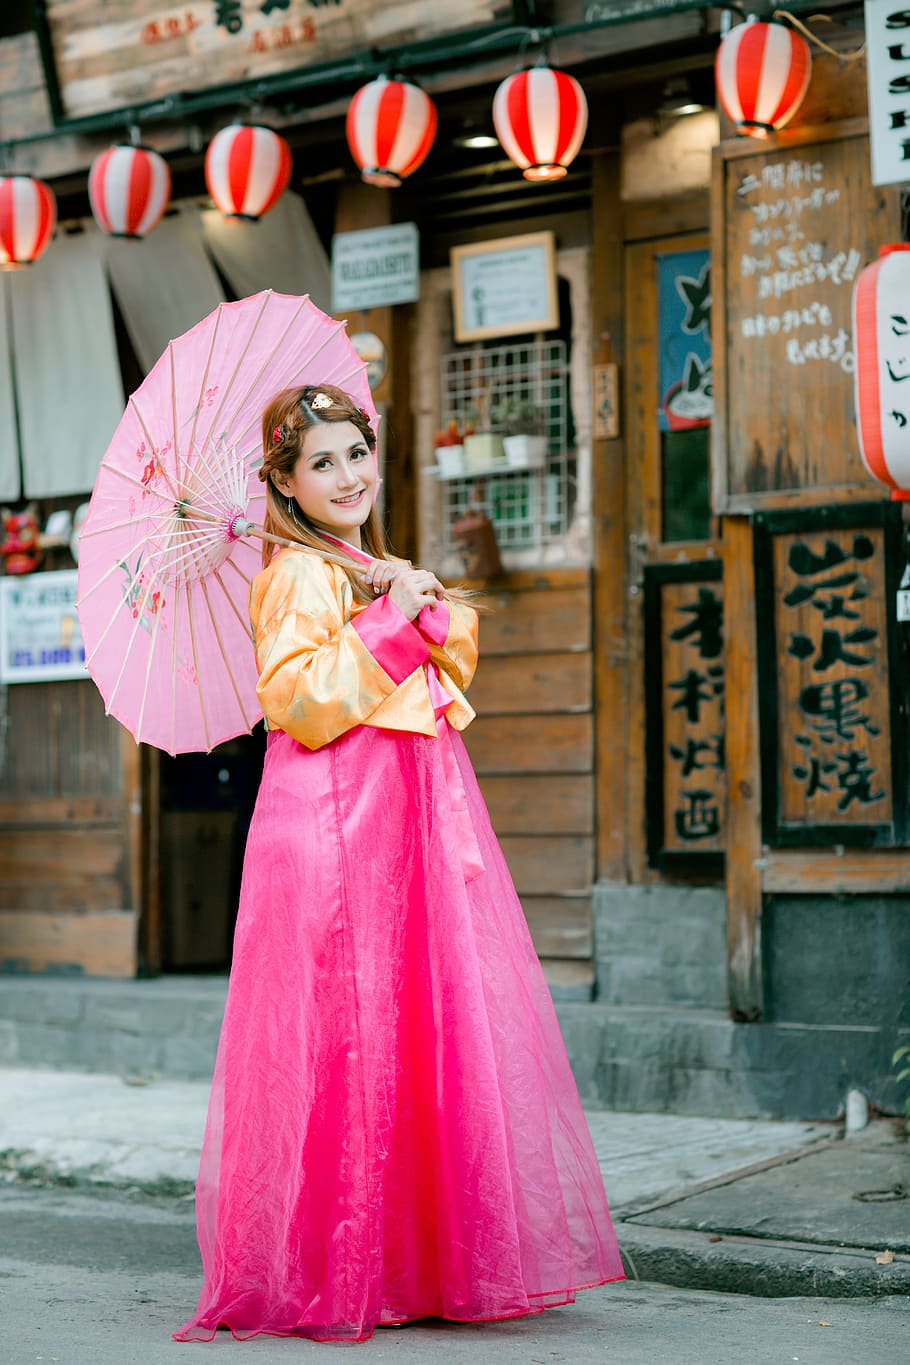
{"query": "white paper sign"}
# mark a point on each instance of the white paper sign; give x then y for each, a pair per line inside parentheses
(888, 68)
(40, 639)
(375, 267)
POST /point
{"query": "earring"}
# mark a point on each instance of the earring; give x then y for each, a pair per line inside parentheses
(292, 512)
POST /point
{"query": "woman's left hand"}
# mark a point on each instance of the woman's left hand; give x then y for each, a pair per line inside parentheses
(380, 575)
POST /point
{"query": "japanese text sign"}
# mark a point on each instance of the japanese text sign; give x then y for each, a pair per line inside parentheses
(888, 73)
(40, 640)
(685, 725)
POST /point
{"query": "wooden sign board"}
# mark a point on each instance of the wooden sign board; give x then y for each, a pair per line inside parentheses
(833, 746)
(109, 54)
(794, 223)
(684, 701)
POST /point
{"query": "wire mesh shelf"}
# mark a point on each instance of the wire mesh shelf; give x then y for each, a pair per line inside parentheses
(500, 390)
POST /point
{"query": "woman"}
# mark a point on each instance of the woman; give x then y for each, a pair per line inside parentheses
(393, 1131)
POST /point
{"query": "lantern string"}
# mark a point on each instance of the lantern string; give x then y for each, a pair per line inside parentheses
(853, 55)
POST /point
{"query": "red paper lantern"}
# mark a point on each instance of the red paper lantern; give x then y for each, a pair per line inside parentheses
(881, 344)
(28, 216)
(390, 127)
(540, 117)
(762, 73)
(247, 169)
(129, 188)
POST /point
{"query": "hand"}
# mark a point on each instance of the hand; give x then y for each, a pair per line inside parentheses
(414, 589)
(381, 574)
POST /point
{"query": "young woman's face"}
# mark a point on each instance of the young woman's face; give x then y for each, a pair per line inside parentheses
(334, 480)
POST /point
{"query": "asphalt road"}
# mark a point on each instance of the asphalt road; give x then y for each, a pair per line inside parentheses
(94, 1278)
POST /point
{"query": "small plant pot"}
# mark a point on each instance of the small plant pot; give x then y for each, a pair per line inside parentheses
(450, 461)
(483, 451)
(525, 452)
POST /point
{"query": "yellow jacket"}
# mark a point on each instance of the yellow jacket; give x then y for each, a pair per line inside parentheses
(327, 663)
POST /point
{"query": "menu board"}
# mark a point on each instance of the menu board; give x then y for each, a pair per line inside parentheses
(796, 223)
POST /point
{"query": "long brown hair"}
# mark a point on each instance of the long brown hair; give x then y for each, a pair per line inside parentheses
(285, 423)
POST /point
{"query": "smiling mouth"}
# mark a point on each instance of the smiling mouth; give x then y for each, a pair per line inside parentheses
(349, 501)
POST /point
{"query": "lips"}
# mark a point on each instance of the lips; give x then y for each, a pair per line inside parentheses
(348, 502)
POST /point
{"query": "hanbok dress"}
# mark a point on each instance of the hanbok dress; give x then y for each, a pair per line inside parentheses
(393, 1131)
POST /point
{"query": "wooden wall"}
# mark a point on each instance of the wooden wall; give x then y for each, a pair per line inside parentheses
(69, 833)
(533, 750)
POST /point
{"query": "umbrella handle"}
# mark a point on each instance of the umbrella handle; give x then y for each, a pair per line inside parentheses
(241, 527)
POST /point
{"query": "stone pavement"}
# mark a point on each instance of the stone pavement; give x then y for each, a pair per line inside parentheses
(751, 1206)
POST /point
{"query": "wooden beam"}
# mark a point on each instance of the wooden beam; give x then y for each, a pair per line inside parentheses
(743, 873)
(878, 872)
(609, 525)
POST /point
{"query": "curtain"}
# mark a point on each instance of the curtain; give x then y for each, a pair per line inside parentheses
(9, 440)
(281, 252)
(164, 283)
(66, 369)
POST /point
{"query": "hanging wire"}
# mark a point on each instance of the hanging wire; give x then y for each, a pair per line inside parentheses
(854, 55)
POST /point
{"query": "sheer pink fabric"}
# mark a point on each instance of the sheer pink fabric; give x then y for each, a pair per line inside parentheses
(394, 1131)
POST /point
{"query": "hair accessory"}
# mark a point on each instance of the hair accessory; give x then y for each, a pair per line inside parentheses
(277, 436)
(322, 400)
(365, 415)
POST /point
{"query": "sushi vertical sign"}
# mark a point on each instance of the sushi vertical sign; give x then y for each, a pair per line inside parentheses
(888, 67)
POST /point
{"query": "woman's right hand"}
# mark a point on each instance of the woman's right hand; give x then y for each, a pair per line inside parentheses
(414, 589)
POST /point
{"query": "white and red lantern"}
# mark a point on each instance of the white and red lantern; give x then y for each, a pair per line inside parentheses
(247, 169)
(28, 216)
(390, 128)
(129, 188)
(540, 117)
(881, 345)
(762, 73)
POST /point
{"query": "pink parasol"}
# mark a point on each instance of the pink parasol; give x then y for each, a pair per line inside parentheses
(166, 558)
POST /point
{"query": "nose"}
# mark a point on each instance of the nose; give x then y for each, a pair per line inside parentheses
(348, 476)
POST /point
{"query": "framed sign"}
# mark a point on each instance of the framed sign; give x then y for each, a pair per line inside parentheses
(795, 222)
(40, 639)
(684, 715)
(375, 267)
(506, 287)
(832, 676)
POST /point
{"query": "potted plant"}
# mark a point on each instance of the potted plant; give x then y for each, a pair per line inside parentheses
(449, 452)
(483, 448)
(525, 443)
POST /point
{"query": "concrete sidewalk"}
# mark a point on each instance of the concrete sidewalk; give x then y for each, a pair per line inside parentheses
(750, 1206)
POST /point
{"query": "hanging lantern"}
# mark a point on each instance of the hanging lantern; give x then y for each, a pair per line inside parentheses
(247, 169)
(129, 188)
(762, 73)
(390, 128)
(881, 344)
(540, 117)
(28, 216)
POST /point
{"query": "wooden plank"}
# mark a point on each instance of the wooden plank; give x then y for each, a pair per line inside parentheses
(72, 895)
(569, 975)
(536, 622)
(62, 810)
(93, 944)
(522, 683)
(654, 219)
(559, 803)
(561, 926)
(836, 871)
(76, 854)
(531, 744)
(743, 877)
(609, 585)
(526, 580)
(549, 864)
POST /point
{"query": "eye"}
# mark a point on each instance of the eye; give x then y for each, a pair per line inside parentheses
(324, 463)
(359, 453)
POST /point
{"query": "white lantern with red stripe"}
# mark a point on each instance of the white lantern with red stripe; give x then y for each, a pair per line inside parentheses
(881, 345)
(28, 216)
(762, 73)
(390, 128)
(540, 117)
(129, 188)
(247, 169)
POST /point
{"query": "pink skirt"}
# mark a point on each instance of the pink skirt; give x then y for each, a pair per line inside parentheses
(394, 1131)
